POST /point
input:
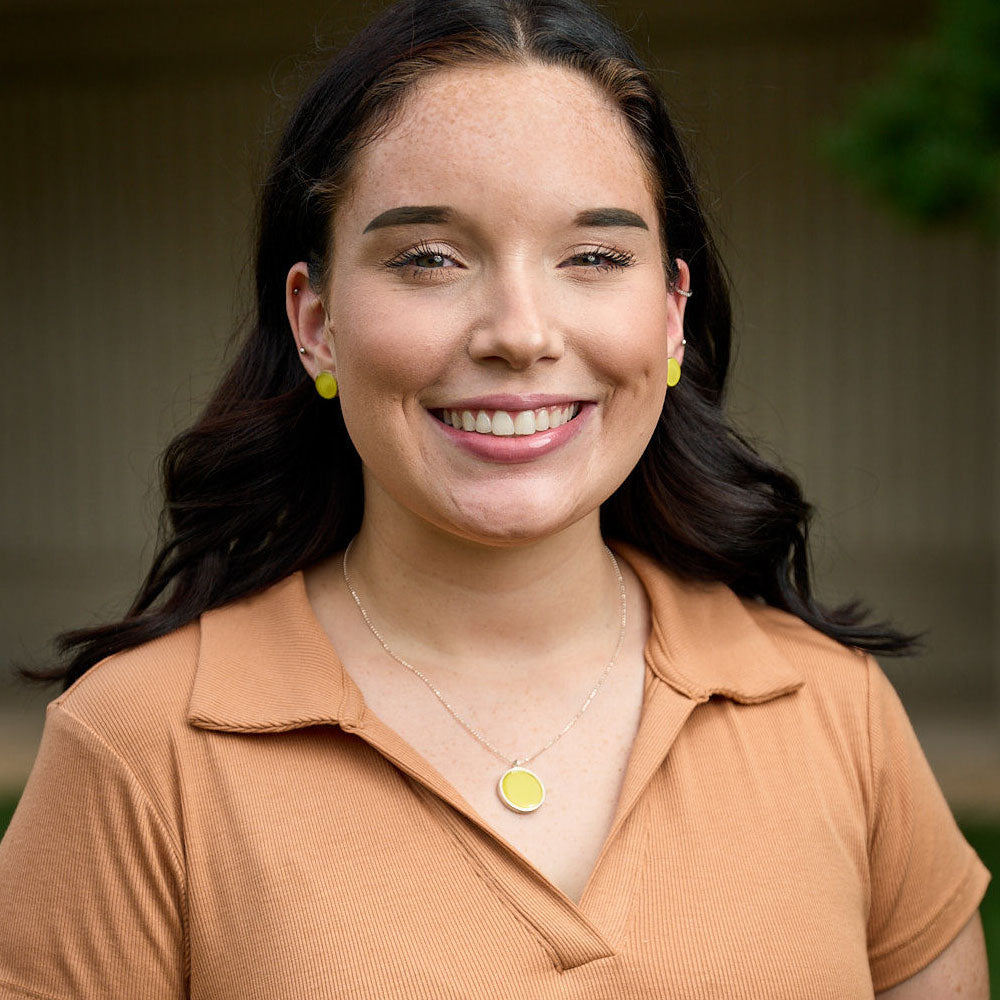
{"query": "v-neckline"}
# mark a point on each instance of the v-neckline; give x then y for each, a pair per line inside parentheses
(573, 933)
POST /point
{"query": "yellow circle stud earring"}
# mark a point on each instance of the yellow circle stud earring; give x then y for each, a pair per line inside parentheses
(326, 384)
(673, 372)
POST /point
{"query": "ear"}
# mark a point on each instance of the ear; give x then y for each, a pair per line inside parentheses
(308, 320)
(676, 306)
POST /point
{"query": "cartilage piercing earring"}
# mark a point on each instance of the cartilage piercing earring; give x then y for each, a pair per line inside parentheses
(686, 292)
(302, 350)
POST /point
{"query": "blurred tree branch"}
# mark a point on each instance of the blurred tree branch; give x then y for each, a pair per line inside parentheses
(926, 138)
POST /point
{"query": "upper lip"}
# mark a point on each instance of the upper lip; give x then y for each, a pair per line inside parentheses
(508, 401)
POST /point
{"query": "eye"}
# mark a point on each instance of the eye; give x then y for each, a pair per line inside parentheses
(418, 261)
(602, 259)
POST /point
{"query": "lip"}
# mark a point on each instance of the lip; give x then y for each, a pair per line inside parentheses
(514, 449)
(509, 402)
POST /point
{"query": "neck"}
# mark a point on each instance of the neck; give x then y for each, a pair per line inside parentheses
(492, 610)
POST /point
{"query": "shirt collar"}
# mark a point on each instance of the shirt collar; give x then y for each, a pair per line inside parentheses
(704, 640)
(266, 665)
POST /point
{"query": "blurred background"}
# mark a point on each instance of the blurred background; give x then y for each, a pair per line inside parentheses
(846, 155)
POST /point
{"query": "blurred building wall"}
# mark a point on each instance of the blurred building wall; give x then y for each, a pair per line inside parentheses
(132, 135)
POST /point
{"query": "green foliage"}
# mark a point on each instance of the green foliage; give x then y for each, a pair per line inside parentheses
(985, 840)
(8, 801)
(926, 138)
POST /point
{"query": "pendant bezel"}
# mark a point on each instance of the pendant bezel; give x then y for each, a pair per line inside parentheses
(513, 805)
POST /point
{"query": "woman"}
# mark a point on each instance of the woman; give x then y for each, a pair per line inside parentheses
(388, 718)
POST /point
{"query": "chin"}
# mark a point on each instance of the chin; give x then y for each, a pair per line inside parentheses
(512, 523)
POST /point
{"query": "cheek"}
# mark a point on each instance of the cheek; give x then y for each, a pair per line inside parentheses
(632, 350)
(388, 354)
(642, 355)
(634, 361)
(385, 351)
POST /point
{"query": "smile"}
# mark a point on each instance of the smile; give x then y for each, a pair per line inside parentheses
(509, 423)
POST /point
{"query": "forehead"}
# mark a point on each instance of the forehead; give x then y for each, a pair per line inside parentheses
(519, 139)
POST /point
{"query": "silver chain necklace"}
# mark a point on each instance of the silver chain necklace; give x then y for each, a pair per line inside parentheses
(519, 788)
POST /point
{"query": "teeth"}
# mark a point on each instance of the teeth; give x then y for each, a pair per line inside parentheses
(501, 425)
(524, 422)
(504, 424)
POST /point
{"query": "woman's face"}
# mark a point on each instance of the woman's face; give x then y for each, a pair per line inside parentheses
(496, 264)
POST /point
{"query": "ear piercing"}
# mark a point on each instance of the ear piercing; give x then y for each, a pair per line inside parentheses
(326, 384)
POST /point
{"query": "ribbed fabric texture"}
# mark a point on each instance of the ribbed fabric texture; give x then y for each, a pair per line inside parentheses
(216, 815)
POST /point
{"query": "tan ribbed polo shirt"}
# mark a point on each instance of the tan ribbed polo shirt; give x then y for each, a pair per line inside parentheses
(216, 815)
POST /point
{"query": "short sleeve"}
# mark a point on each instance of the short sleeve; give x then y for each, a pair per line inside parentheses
(91, 883)
(926, 881)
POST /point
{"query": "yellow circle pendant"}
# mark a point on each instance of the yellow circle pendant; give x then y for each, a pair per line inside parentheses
(521, 790)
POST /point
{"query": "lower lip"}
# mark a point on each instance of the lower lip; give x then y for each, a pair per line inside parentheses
(515, 448)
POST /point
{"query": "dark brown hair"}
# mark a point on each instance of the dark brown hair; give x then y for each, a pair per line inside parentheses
(247, 502)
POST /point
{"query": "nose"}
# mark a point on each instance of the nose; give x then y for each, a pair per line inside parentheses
(514, 325)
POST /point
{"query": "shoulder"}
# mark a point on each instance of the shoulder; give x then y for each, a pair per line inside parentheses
(120, 733)
(707, 640)
(135, 703)
(258, 663)
(838, 681)
(138, 702)
(150, 681)
(820, 659)
(155, 681)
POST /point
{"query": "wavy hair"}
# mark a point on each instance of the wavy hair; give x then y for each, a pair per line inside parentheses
(246, 502)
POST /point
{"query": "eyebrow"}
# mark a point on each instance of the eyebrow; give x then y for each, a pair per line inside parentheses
(410, 215)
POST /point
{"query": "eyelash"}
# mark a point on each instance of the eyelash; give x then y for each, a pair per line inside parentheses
(613, 260)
